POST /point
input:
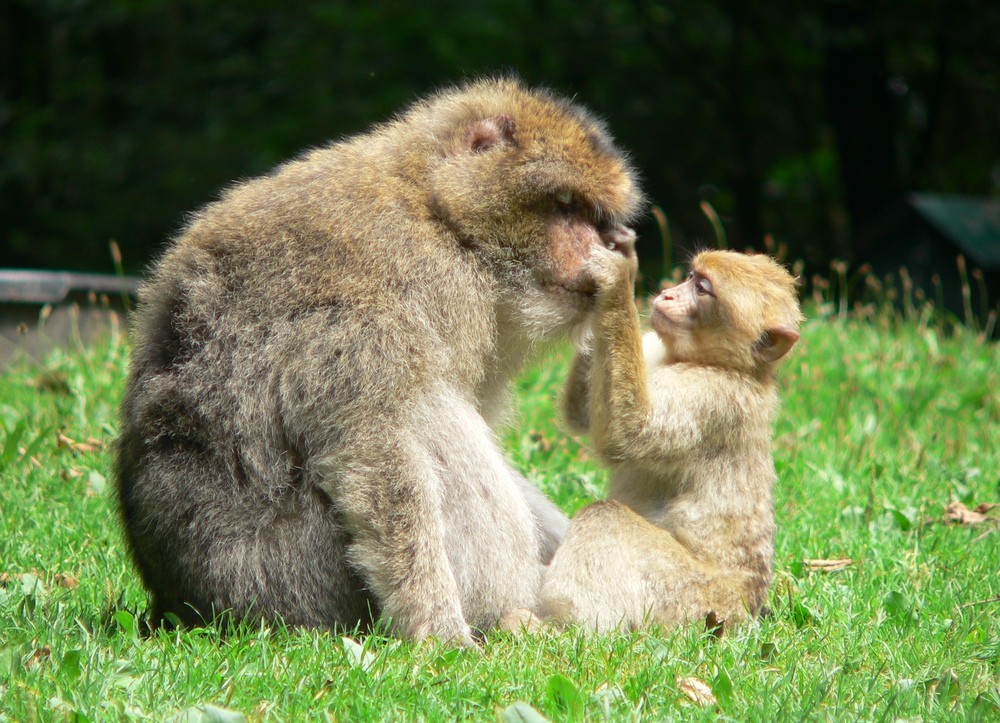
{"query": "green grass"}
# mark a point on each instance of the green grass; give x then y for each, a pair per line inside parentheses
(883, 423)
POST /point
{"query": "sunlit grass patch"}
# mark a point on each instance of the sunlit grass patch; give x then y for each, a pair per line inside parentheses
(887, 418)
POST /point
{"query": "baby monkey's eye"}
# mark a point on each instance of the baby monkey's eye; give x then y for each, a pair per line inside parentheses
(703, 286)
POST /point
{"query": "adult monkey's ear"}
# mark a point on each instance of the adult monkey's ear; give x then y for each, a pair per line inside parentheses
(488, 133)
(776, 342)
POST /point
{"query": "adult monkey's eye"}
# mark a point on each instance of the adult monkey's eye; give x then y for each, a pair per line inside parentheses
(564, 198)
(704, 286)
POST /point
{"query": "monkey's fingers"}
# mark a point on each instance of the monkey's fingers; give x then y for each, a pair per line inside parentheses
(620, 239)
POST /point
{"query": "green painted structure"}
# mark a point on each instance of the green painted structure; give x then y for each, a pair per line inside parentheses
(926, 233)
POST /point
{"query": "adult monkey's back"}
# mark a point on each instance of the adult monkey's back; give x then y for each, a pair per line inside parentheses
(321, 355)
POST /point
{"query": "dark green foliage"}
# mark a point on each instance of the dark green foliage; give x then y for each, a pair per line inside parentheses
(118, 117)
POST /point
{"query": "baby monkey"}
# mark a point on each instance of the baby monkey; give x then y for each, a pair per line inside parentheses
(682, 417)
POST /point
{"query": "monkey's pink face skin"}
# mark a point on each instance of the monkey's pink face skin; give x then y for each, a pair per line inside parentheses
(571, 240)
(676, 309)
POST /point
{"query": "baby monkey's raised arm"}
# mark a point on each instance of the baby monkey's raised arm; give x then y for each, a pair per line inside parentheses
(683, 420)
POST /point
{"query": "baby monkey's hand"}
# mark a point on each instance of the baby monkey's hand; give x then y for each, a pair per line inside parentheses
(614, 264)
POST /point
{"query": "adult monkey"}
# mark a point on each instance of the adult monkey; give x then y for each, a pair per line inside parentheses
(321, 356)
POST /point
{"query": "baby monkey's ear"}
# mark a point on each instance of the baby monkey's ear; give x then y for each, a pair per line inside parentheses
(776, 342)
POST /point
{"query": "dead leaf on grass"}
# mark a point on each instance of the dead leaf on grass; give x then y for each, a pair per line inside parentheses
(715, 626)
(31, 582)
(828, 565)
(946, 688)
(697, 691)
(39, 656)
(90, 445)
(64, 579)
(960, 514)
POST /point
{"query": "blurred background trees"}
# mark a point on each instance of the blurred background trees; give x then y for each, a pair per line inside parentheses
(800, 120)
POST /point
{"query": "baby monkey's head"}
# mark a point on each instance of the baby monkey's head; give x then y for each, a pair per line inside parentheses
(734, 310)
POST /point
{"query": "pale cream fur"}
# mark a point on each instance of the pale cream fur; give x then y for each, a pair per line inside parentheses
(683, 418)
